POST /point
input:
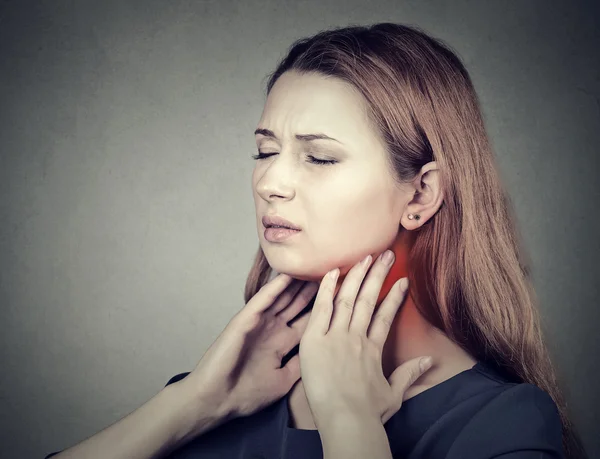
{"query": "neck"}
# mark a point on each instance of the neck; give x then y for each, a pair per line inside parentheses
(410, 334)
(398, 270)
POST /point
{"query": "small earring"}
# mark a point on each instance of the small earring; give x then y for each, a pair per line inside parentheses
(416, 217)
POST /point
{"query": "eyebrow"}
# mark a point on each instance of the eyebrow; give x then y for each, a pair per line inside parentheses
(301, 137)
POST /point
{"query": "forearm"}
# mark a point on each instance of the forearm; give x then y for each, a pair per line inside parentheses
(353, 438)
(168, 420)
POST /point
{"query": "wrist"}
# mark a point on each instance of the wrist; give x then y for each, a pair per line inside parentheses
(198, 413)
(353, 437)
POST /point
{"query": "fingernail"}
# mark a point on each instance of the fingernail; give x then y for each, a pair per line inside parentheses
(425, 363)
(404, 284)
(334, 274)
(388, 256)
(366, 261)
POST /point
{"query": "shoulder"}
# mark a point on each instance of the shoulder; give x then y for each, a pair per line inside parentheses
(177, 377)
(523, 417)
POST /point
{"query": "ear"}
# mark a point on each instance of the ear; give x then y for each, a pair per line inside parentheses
(427, 199)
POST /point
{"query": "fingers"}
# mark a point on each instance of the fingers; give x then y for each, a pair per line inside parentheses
(288, 311)
(407, 374)
(367, 299)
(300, 325)
(268, 293)
(320, 317)
(346, 296)
(381, 323)
(286, 297)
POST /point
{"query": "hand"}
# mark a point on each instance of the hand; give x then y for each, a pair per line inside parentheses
(240, 372)
(341, 360)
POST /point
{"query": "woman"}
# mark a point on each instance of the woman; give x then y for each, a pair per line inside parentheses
(372, 138)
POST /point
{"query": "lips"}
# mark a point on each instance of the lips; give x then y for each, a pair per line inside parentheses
(275, 220)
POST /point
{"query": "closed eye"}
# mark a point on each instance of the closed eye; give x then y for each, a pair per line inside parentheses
(323, 162)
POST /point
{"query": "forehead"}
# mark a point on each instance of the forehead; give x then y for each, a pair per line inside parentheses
(306, 103)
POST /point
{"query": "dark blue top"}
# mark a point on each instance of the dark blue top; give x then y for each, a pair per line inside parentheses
(476, 414)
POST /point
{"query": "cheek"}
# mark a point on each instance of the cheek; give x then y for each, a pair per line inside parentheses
(353, 210)
(349, 226)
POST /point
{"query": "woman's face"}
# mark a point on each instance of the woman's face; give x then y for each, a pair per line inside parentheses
(345, 210)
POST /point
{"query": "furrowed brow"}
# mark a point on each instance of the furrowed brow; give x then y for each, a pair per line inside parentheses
(301, 137)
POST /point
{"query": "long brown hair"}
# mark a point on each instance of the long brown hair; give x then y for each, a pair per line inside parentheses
(469, 274)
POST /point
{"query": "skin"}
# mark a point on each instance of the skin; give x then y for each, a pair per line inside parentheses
(346, 210)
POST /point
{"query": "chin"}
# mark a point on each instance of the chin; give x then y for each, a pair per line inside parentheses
(304, 276)
(298, 275)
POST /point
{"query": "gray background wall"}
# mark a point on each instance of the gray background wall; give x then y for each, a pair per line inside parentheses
(127, 216)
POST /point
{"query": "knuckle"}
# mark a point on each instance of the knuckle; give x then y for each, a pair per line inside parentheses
(357, 347)
(387, 320)
(245, 323)
(330, 287)
(345, 302)
(365, 303)
(414, 375)
(307, 295)
(269, 297)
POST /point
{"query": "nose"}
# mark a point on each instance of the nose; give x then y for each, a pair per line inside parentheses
(276, 180)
